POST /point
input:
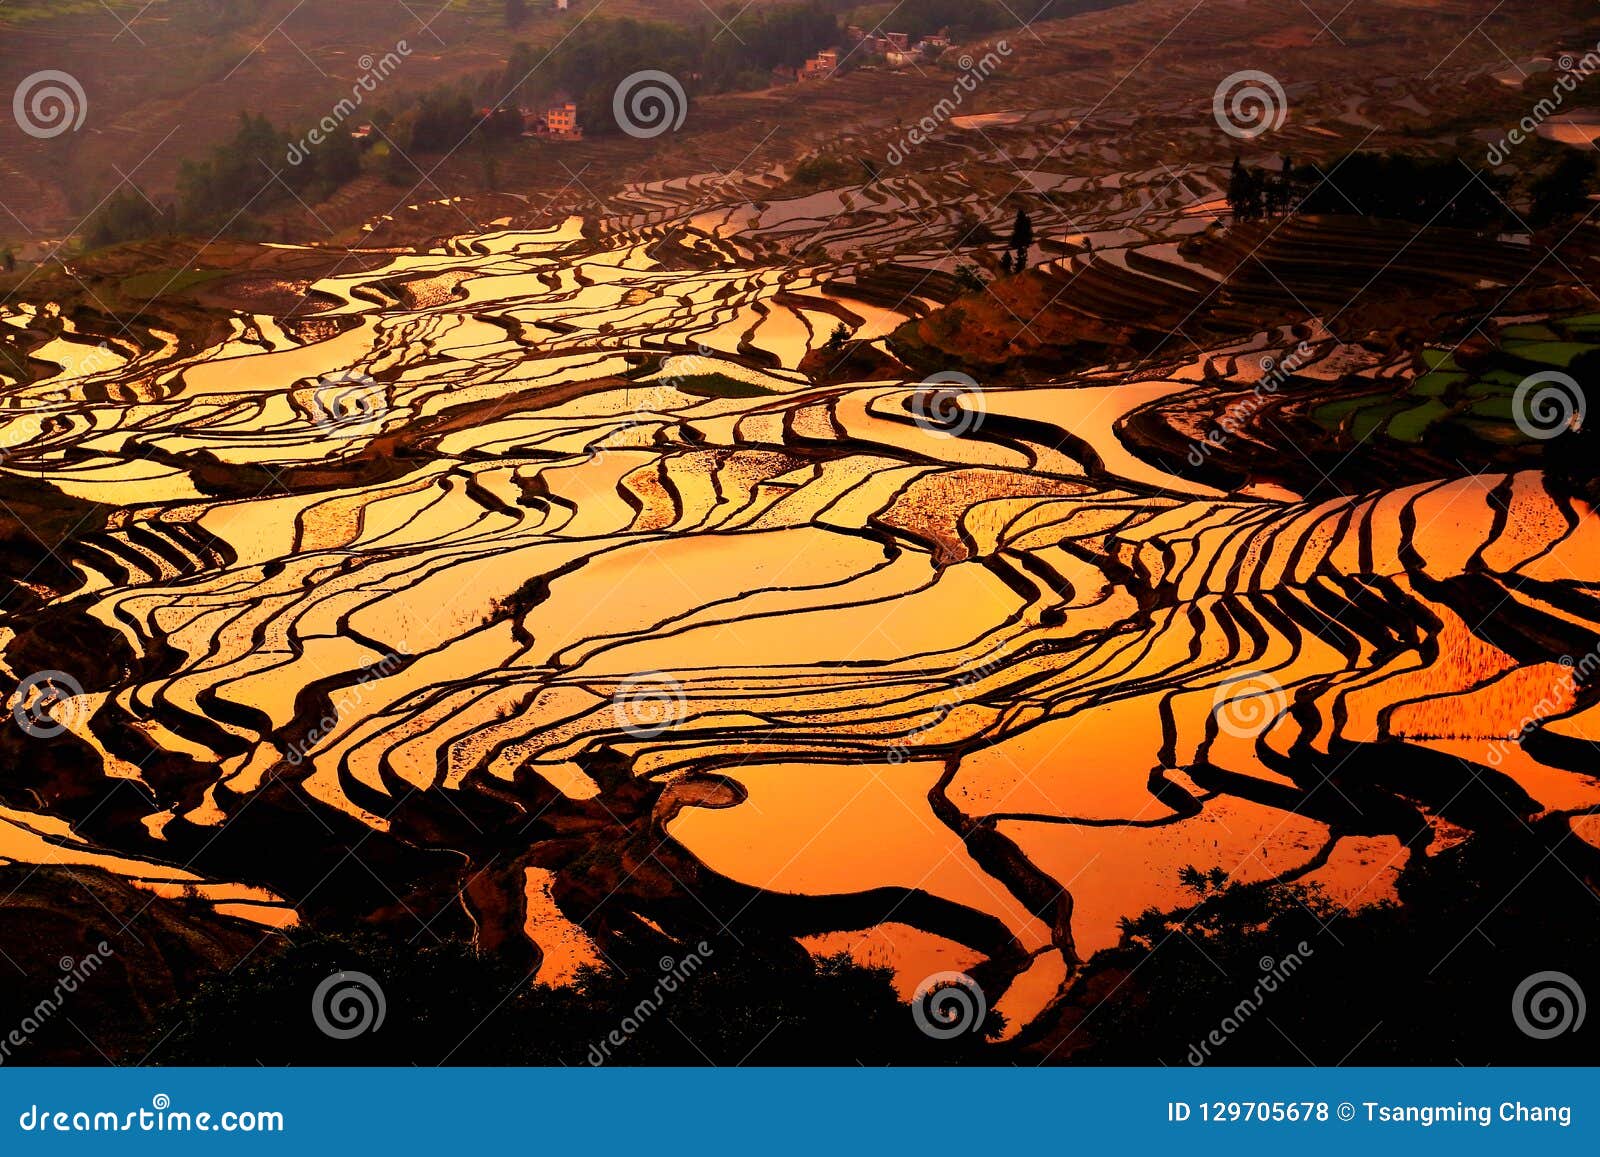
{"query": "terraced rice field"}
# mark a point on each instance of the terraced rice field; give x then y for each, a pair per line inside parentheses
(539, 592)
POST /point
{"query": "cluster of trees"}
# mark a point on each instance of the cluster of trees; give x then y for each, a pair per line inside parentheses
(1563, 191)
(735, 52)
(224, 192)
(227, 192)
(599, 54)
(761, 1002)
(1420, 190)
(1255, 193)
(964, 18)
(1390, 961)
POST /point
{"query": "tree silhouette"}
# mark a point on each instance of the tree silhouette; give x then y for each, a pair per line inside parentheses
(1562, 192)
(1245, 194)
(1021, 239)
(1423, 191)
(968, 279)
(735, 1002)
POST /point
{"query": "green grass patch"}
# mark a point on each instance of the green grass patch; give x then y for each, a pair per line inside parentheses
(1531, 332)
(1333, 414)
(1448, 400)
(1410, 425)
(719, 386)
(1548, 353)
(1440, 360)
(1365, 423)
(159, 282)
(1495, 409)
(1436, 383)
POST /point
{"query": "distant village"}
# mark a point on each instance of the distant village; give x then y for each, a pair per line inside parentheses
(893, 48)
(559, 121)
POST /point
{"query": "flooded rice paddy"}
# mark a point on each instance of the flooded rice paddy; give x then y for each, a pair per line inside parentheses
(553, 565)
